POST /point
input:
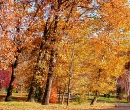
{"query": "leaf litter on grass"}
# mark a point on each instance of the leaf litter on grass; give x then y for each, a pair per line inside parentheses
(38, 106)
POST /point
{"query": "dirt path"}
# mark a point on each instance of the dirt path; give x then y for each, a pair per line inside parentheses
(120, 107)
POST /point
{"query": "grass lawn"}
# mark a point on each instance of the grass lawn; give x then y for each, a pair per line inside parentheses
(37, 106)
(19, 103)
(111, 99)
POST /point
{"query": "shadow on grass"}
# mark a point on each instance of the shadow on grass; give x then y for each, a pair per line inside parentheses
(111, 99)
(14, 98)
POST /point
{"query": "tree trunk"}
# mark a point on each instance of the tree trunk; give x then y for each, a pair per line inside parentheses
(10, 88)
(63, 98)
(68, 96)
(33, 85)
(31, 95)
(70, 76)
(94, 99)
(46, 97)
(32, 89)
(59, 96)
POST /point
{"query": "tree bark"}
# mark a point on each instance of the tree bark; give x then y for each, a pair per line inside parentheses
(10, 88)
(70, 76)
(32, 89)
(46, 97)
(31, 94)
(63, 98)
(68, 96)
(94, 99)
(53, 40)
(59, 96)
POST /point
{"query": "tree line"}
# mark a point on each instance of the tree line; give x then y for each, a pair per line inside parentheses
(74, 46)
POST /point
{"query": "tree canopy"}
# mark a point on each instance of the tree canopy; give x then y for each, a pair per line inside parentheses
(65, 44)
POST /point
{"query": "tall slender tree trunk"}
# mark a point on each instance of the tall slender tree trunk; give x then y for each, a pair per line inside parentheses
(46, 97)
(96, 92)
(59, 96)
(10, 88)
(63, 96)
(95, 98)
(70, 76)
(68, 96)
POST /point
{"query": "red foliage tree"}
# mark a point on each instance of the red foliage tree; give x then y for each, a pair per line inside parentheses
(53, 96)
(4, 79)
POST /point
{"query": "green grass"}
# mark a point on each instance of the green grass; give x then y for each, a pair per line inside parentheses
(103, 102)
(111, 99)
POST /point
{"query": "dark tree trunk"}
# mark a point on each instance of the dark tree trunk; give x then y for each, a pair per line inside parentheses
(95, 98)
(10, 88)
(32, 89)
(46, 97)
(31, 94)
(59, 96)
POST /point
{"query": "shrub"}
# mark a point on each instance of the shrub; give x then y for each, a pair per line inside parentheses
(53, 96)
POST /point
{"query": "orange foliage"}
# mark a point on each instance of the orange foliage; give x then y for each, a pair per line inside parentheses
(53, 96)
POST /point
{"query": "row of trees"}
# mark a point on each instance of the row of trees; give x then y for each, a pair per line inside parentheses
(75, 46)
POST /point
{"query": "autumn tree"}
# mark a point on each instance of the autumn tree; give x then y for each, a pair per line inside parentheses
(7, 52)
(7, 29)
(26, 64)
(14, 21)
(53, 96)
(71, 54)
(54, 27)
(15, 24)
(102, 74)
(106, 40)
(108, 34)
(83, 37)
